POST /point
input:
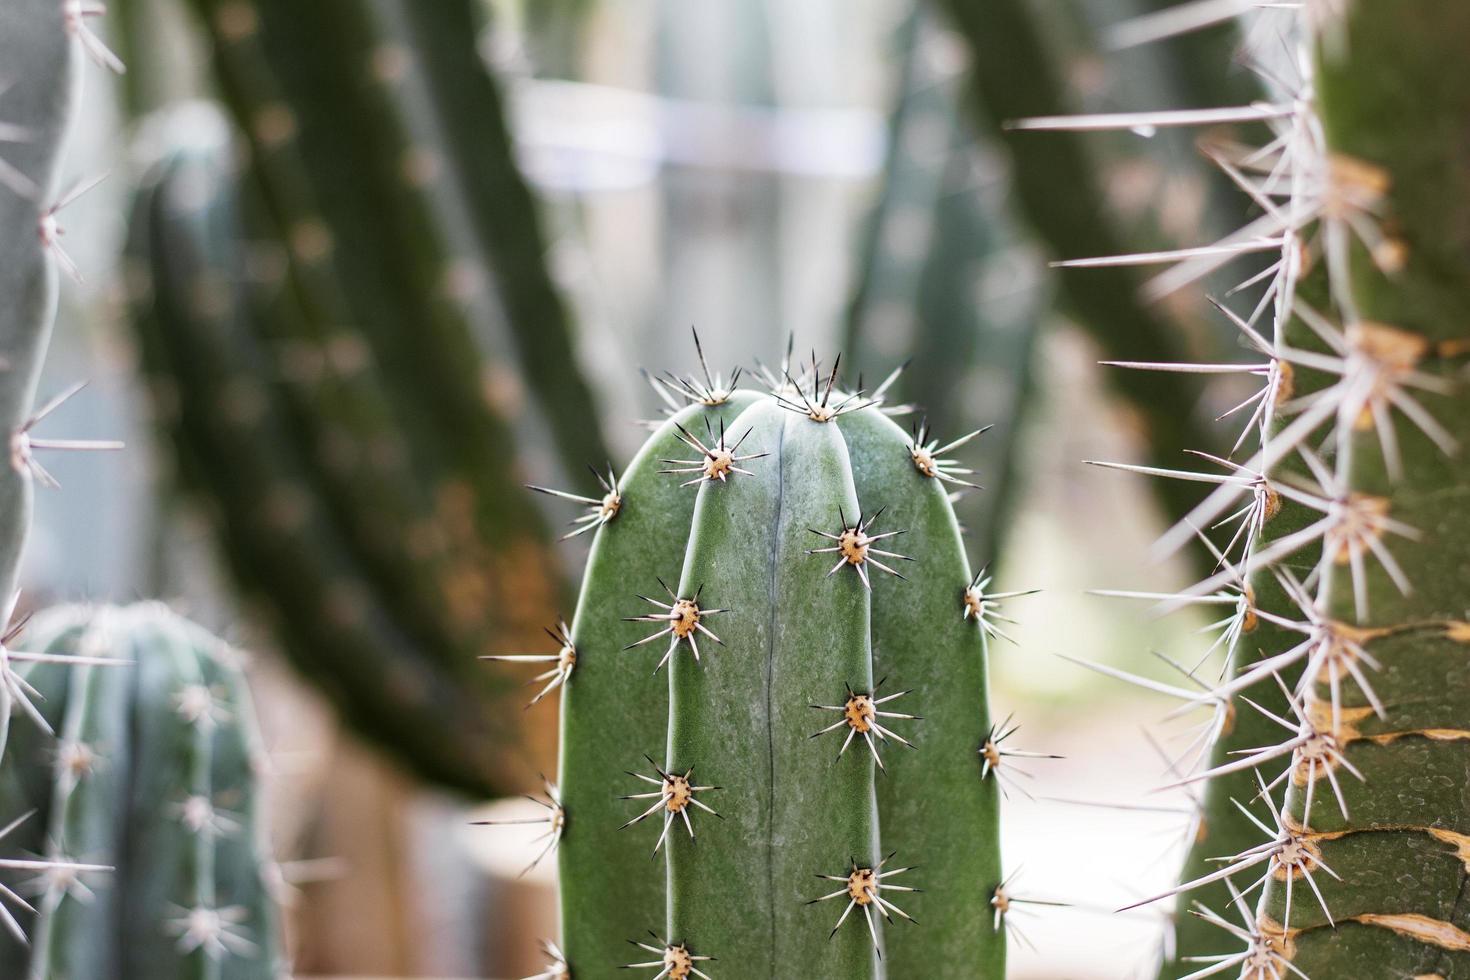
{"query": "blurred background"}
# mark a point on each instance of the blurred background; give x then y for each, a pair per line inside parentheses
(830, 170)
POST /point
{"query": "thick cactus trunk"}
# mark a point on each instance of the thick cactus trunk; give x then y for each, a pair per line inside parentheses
(793, 761)
(41, 67)
(1394, 93)
(154, 776)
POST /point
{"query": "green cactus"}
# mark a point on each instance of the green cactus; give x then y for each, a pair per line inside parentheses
(1336, 778)
(393, 288)
(750, 553)
(41, 44)
(153, 781)
(1387, 699)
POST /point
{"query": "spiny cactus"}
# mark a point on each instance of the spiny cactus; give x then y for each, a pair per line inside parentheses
(151, 783)
(41, 44)
(779, 651)
(1342, 718)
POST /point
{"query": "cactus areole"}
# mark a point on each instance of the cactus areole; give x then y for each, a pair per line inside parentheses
(775, 588)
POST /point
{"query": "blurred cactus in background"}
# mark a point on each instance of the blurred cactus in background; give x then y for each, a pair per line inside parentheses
(152, 782)
(357, 350)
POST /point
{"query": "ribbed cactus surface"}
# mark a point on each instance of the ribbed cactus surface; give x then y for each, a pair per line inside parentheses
(778, 653)
(1377, 802)
(41, 65)
(152, 780)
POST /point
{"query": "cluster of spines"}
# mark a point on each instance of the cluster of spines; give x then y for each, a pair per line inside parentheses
(864, 714)
(1316, 208)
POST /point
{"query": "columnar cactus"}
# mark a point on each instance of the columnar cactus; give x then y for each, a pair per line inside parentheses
(40, 42)
(152, 784)
(1342, 711)
(779, 651)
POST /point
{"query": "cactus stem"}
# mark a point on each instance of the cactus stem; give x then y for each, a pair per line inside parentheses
(719, 458)
(564, 660)
(863, 888)
(927, 455)
(555, 820)
(75, 14)
(982, 607)
(600, 510)
(11, 177)
(675, 961)
(992, 752)
(217, 932)
(675, 795)
(854, 544)
(685, 619)
(860, 714)
(557, 968)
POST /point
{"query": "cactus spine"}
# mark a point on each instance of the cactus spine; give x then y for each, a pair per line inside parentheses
(153, 782)
(785, 738)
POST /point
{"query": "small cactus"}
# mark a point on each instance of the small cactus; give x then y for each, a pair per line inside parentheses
(777, 655)
(147, 805)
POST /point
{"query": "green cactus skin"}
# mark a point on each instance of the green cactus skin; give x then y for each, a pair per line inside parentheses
(42, 66)
(788, 808)
(154, 774)
(1393, 98)
(612, 711)
(198, 313)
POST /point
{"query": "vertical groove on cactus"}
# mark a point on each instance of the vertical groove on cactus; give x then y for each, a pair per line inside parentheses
(152, 787)
(614, 711)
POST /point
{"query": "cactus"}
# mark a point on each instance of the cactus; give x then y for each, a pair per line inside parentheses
(343, 625)
(1337, 770)
(749, 657)
(41, 42)
(152, 782)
